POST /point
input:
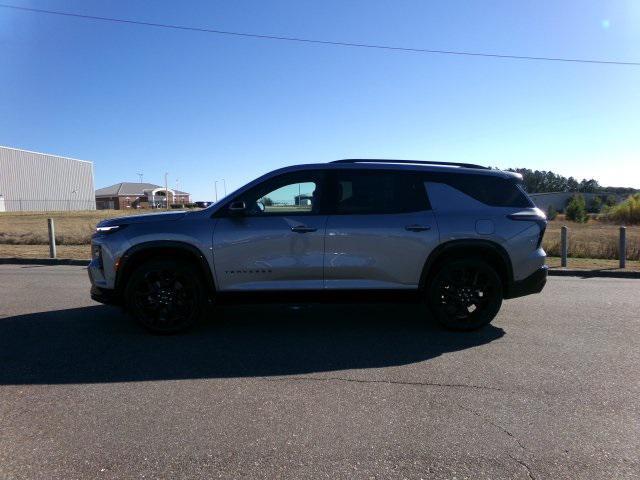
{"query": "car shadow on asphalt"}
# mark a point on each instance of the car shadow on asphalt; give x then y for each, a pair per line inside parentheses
(99, 344)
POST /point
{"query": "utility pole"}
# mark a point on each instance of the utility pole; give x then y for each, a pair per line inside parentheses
(140, 175)
(166, 191)
(224, 184)
(215, 186)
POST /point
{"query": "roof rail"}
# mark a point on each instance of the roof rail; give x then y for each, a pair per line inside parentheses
(415, 162)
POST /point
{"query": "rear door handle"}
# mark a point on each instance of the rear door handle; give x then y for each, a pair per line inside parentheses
(303, 229)
(417, 228)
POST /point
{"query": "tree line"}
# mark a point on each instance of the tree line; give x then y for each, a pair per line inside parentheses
(541, 181)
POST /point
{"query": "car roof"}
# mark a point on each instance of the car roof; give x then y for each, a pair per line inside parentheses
(402, 165)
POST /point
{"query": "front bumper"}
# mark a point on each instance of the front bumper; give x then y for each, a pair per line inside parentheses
(534, 283)
(102, 295)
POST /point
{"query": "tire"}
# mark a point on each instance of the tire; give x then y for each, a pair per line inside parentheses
(465, 294)
(165, 296)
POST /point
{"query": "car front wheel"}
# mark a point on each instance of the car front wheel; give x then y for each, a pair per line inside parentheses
(165, 296)
(465, 294)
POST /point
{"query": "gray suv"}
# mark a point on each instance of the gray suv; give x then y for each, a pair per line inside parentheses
(460, 237)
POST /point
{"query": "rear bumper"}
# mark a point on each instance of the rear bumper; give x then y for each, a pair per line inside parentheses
(534, 283)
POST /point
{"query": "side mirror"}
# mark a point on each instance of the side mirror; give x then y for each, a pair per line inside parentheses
(237, 207)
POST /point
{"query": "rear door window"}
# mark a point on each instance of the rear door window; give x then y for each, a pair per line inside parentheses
(362, 192)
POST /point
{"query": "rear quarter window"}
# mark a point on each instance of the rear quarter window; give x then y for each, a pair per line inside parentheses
(486, 189)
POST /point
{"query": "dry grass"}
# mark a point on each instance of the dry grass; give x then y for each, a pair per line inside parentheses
(72, 228)
(595, 239)
(81, 252)
(593, 264)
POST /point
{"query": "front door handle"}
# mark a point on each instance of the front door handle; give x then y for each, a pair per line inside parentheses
(303, 229)
(417, 228)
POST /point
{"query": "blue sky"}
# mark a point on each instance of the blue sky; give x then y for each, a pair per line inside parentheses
(204, 107)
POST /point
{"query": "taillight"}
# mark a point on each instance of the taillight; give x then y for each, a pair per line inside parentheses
(543, 228)
(537, 216)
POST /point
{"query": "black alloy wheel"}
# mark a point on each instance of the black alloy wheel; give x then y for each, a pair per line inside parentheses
(465, 294)
(165, 296)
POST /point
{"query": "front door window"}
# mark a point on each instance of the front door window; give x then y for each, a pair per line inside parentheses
(288, 199)
(290, 194)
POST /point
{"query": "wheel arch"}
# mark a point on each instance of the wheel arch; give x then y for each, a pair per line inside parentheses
(142, 252)
(492, 252)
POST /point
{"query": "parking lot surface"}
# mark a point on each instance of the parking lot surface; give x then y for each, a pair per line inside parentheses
(550, 390)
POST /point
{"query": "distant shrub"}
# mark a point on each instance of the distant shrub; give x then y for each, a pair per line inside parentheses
(611, 200)
(552, 213)
(627, 212)
(576, 210)
(595, 205)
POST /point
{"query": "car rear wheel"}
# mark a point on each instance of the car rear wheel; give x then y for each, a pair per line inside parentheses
(165, 296)
(465, 294)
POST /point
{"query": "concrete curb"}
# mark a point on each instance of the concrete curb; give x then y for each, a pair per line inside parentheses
(572, 272)
(565, 272)
(43, 261)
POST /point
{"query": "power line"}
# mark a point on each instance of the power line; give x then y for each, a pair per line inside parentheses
(323, 42)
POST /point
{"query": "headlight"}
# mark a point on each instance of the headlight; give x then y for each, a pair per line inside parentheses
(109, 229)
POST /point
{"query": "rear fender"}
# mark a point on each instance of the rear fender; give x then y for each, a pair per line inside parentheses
(491, 251)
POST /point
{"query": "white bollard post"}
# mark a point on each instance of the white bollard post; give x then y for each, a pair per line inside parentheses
(622, 249)
(52, 238)
(564, 247)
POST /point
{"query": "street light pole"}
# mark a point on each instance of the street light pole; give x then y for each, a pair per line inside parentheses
(166, 191)
(215, 186)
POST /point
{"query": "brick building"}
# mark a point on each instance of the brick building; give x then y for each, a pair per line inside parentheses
(137, 195)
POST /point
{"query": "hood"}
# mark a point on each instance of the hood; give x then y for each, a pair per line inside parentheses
(146, 218)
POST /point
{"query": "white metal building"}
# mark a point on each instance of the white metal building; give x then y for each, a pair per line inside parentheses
(31, 181)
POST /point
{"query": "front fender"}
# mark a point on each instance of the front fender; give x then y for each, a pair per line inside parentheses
(132, 257)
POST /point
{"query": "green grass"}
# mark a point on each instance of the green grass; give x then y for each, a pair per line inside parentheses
(627, 212)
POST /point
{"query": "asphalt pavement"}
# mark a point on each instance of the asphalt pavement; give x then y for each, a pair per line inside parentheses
(550, 390)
